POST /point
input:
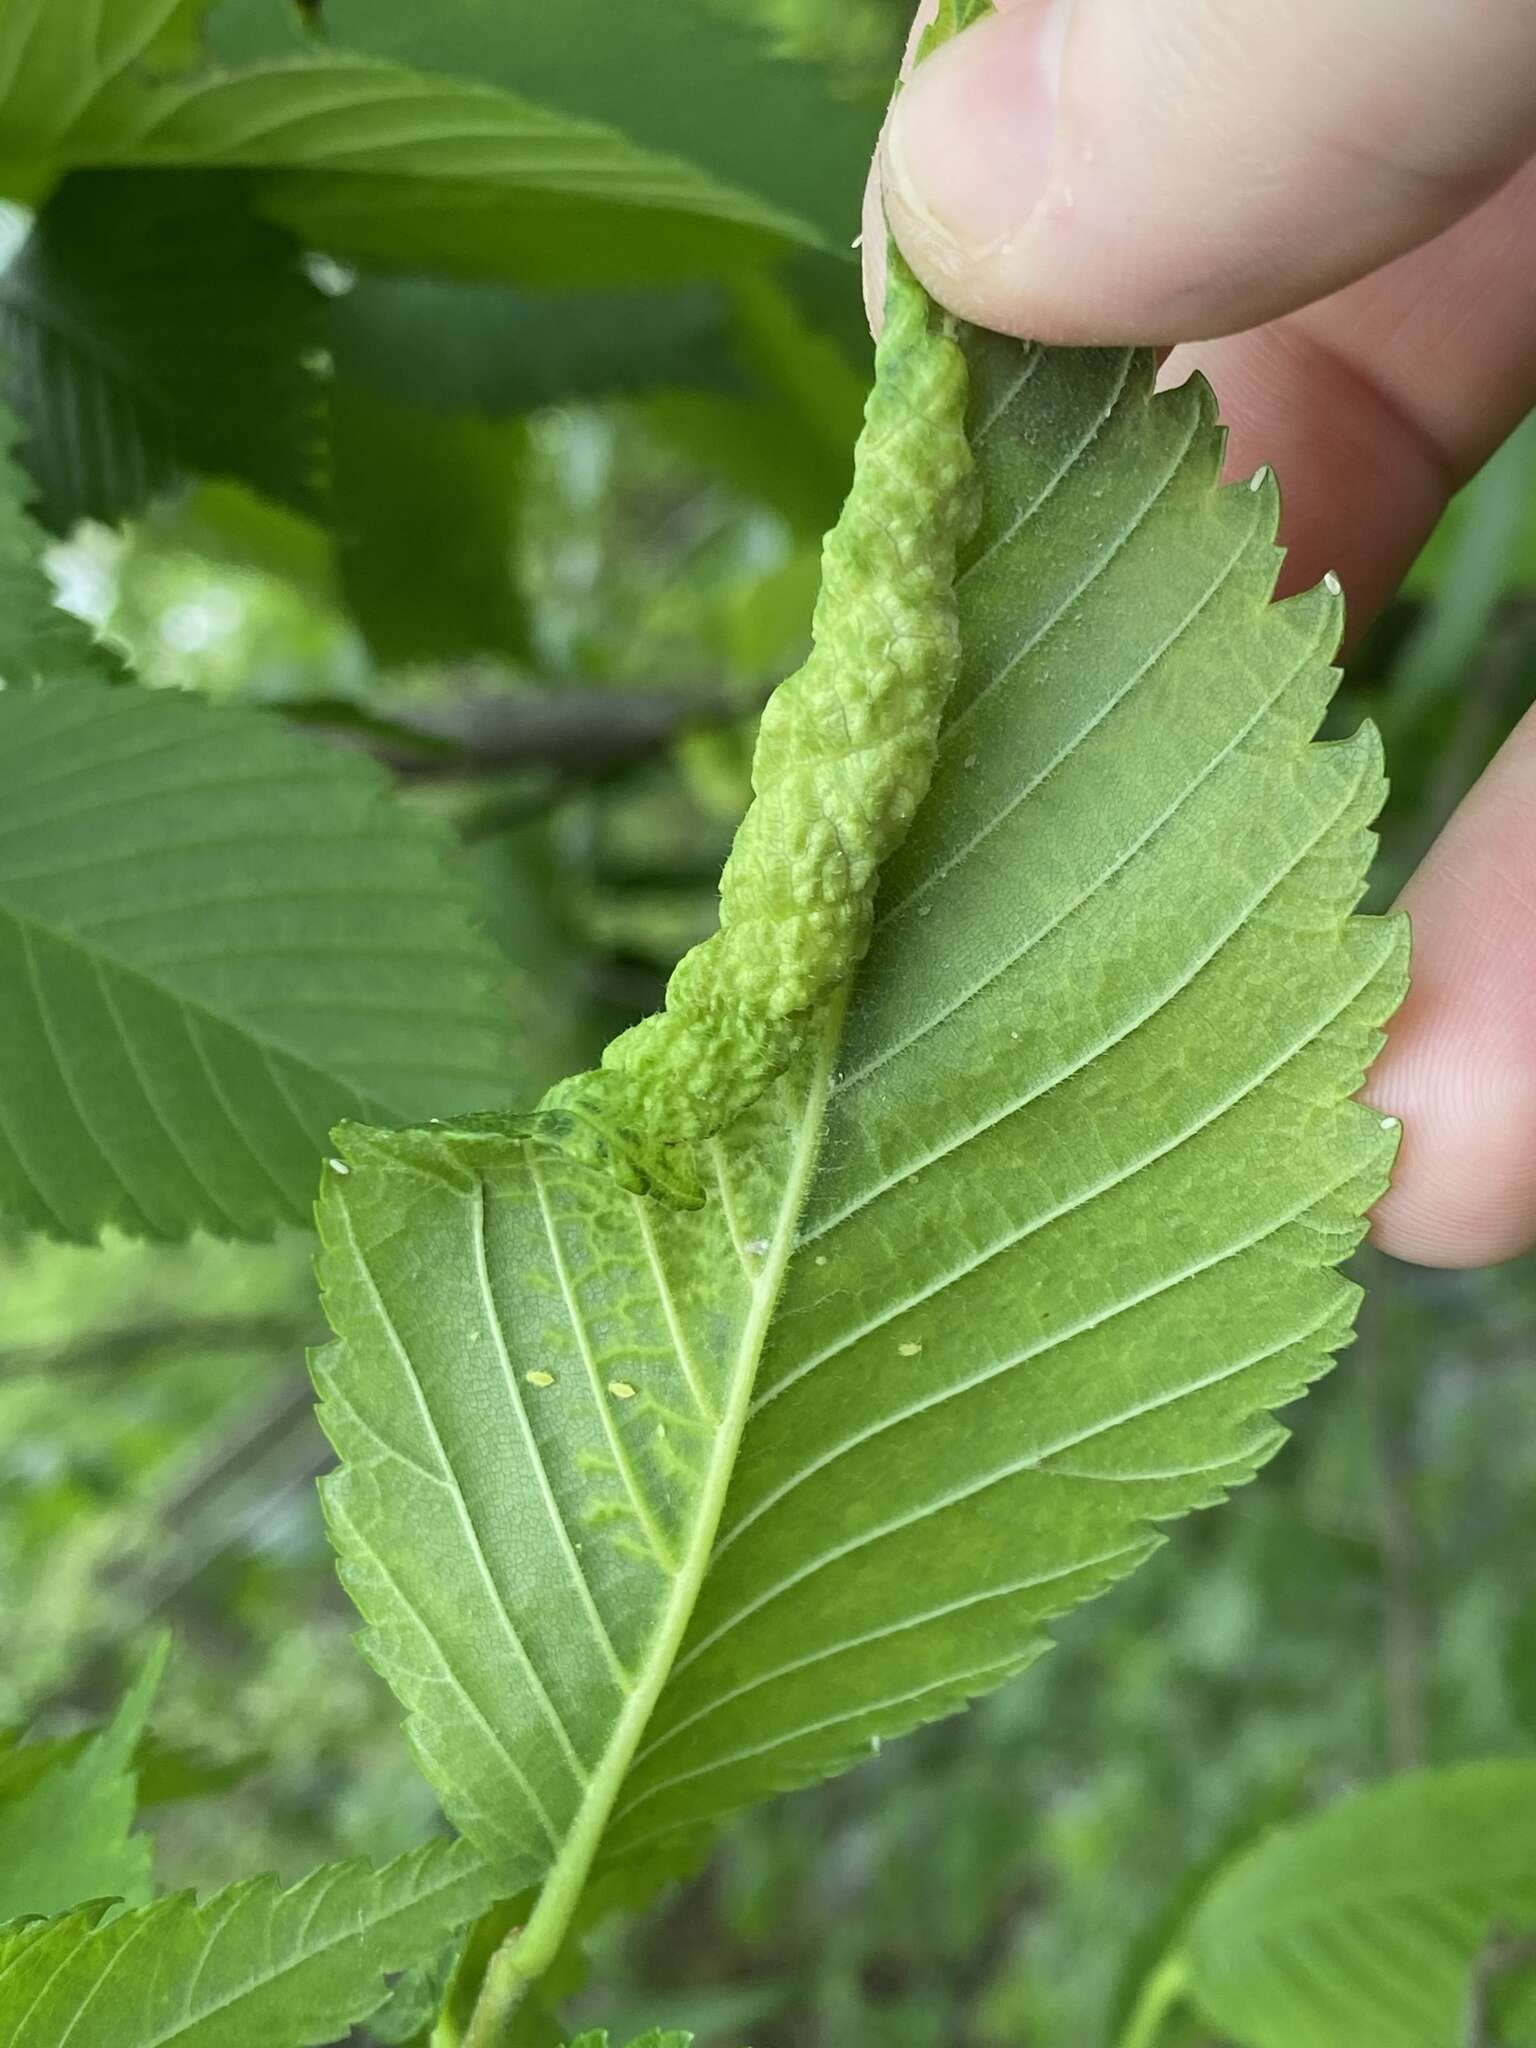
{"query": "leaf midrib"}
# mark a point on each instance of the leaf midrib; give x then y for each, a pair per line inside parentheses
(562, 1888)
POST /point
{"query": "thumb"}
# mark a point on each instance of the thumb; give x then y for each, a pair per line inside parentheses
(1166, 170)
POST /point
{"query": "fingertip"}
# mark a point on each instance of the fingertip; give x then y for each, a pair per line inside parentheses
(872, 251)
(1111, 171)
(1464, 1190)
(1460, 1064)
(965, 159)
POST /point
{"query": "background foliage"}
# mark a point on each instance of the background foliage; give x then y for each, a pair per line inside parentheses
(601, 484)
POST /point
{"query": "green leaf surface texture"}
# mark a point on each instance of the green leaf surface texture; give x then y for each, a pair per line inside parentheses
(1360, 1927)
(68, 1837)
(214, 936)
(374, 160)
(158, 326)
(656, 2038)
(253, 1964)
(653, 1514)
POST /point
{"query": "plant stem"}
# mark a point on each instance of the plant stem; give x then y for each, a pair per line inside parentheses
(502, 1991)
(1503, 1955)
(1159, 1995)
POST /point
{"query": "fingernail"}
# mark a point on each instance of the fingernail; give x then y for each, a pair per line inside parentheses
(968, 149)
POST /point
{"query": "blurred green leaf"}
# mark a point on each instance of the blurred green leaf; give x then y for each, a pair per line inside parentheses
(499, 349)
(683, 78)
(789, 443)
(1486, 550)
(158, 327)
(428, 507)
(226, 525)
(1153, 1970)
(166, 1773)
(380, 163)
(1443, 558)
(1361, 1927)
(736, 375)
(68, 1837)
(218, 938)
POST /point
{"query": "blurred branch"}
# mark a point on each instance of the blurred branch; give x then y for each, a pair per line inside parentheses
(581, 732)
(1405, 1616)
(117, 1350)
(237, 1450)
(220, 1499)
(1503, 1955)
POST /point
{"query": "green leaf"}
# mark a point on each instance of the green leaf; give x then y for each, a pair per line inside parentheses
(683, 79)
(790, 439)
(415, 2002)
(428, 510)
(1487, 542)
(68, 1837)
(214, 936)
(497, 349)
(739, 375)
(38, 642)
(654, 2039)
(1496, 512)
(377, 162)
(1361, 1926)
(653, 1514)
(287, 1969)
(159, 327)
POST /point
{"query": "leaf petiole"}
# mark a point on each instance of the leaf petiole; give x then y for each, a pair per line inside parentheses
(502, 1990)
(1159, 1997)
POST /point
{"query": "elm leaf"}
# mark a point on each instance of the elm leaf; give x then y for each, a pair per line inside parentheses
(652, 1514)
(215, 937)
(251, 1967)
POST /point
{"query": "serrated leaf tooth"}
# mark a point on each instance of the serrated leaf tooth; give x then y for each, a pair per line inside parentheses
(1015, 1265)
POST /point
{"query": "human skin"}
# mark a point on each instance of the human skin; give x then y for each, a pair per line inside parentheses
(1329, 207)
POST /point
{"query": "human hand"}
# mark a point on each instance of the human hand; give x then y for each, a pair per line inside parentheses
(1346, 191)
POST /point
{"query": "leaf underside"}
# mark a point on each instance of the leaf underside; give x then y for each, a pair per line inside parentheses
(651, 1515)
(1361, 1927)
(214, 936)
(253, 1963)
